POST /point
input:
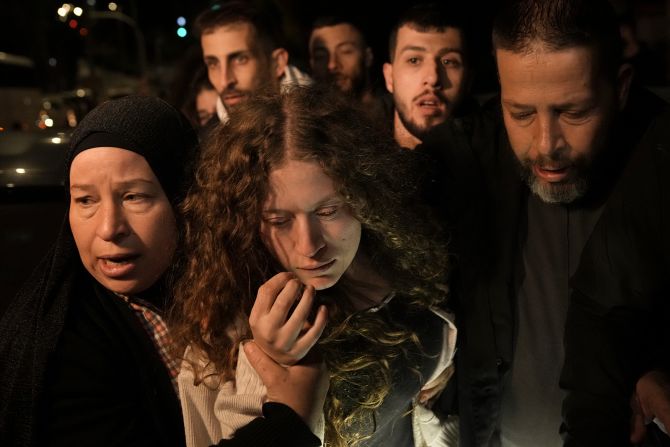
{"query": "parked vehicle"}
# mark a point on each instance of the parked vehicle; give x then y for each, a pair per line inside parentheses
(32, 161)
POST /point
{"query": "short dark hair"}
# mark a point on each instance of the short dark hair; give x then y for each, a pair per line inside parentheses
(558, 25)
(431, 16)
(323, 21)
(267, 32)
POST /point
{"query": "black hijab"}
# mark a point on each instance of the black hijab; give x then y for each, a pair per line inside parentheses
(30, 328)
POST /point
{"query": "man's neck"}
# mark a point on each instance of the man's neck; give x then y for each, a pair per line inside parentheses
(401, 135)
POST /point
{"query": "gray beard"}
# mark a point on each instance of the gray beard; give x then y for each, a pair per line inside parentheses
(559, 193)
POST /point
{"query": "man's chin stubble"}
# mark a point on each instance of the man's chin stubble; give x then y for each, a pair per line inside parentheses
(557, 193)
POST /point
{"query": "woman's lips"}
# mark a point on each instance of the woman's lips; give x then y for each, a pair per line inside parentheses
(117, 266)
(320, 268)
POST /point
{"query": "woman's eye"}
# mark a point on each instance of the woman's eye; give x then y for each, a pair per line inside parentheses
(327, 212)
(135, 197)
(277, 221)
(84, 200)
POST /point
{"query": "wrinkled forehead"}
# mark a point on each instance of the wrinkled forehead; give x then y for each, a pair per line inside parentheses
(539, 67)
(593, 56)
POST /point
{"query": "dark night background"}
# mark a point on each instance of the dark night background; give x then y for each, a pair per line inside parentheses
(102, 56)
(34, 30)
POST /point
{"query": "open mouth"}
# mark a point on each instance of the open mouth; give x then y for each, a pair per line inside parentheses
(117, 265)
(552, 173)
(430, 103)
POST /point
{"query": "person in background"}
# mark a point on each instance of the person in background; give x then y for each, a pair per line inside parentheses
(340, 56)
(243, 53)
(200, 103)
(429, 70)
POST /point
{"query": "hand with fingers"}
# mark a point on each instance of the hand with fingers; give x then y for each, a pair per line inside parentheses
(285, 335)
(302, 387)
(651, 402)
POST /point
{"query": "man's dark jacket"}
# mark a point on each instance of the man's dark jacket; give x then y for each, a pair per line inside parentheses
(476, 182)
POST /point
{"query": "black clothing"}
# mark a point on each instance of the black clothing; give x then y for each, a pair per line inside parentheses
(68, 351)
(531, 401)
(77, 367)
(485, 200)
(280, 427)
(618, 325)
(107, 384)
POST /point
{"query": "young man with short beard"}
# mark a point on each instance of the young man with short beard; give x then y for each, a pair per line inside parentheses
(564, 177)
(428, 72)
(243, 54)
(339, 56)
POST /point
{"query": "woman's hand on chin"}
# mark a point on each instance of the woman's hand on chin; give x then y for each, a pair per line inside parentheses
(280, 319)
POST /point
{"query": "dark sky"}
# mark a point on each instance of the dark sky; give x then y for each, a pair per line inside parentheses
(32, 28)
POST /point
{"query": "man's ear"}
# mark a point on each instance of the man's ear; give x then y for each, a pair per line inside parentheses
(388, 76)
(279, 61)
(369, 57)
(623, 81)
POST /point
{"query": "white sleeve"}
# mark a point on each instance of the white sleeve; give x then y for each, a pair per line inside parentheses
(212, 410)
(429, 430)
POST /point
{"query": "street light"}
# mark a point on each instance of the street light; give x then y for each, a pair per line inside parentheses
(112, 14)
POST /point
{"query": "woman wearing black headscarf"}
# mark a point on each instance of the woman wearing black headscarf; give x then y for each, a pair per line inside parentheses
(84, 355)
(83, 348)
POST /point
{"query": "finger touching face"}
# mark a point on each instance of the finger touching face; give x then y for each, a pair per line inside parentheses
(122, 222)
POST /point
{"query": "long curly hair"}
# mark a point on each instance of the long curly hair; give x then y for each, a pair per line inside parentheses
(227, 260)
